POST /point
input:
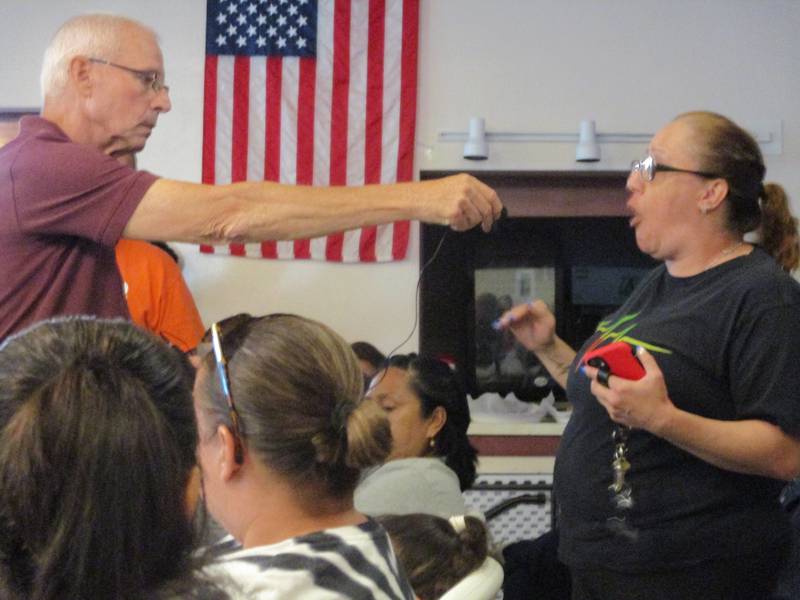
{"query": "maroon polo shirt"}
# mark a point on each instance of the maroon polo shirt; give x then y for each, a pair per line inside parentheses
(63, 207)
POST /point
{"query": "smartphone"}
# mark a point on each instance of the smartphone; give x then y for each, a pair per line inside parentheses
(617, 358)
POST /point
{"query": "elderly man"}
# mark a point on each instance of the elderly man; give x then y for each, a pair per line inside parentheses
(65, 200)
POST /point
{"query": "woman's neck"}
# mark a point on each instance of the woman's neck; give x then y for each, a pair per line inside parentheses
(707, 255)
(286, 513)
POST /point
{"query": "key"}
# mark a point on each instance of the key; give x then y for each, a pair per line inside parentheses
(618, 526)
(624, 499)
(620, 466)
(620, 434)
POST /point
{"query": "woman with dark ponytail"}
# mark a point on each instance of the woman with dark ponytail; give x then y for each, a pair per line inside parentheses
(283, 436)
(432, 460)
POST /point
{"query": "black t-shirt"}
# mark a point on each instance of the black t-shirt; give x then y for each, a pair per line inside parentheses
(728, 343)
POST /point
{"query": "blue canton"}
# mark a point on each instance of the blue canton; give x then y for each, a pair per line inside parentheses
(261, 27)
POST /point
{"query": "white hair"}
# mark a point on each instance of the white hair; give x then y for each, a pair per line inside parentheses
(93, 36)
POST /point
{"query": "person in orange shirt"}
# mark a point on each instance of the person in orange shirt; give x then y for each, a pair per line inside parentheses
(157, 296)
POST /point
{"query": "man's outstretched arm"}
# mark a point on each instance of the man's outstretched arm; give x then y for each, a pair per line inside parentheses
(256, 211)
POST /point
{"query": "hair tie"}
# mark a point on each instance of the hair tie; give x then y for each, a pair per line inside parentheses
(340, 415)
(459, 523)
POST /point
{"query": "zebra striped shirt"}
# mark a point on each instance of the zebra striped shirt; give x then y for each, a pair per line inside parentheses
(355, 562)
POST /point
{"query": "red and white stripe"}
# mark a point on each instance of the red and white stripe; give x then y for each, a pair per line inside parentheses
(284, 119)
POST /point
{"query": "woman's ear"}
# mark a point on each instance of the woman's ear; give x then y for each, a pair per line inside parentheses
(713, 195)
(436, 421)
(226, 459)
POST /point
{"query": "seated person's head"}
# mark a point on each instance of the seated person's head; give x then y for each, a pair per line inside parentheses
(436, 553)
(298, 426)
(97, 462)
(428, 412)
(369, 357)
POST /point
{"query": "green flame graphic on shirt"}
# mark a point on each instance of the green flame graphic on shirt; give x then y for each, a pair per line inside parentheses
(617, 331)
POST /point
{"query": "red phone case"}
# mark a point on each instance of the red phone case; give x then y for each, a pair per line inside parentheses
(618, 359)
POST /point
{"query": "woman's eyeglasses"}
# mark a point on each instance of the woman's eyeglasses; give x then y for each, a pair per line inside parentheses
(648, 167)
(231, 333)
(225, 383)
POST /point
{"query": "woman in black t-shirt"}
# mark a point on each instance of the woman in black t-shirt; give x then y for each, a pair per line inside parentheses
(668, 485)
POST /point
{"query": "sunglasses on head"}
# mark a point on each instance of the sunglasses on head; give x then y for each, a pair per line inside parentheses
(222, 372)
(226, 337)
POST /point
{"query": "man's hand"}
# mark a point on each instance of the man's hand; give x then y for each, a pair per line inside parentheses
(461, 202)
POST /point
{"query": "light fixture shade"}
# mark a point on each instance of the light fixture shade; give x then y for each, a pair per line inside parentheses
(588, 149)
(476, 147)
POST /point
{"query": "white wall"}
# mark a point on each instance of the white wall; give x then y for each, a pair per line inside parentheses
(524, 65)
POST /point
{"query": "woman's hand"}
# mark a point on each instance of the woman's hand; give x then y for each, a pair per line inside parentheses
(532, 324)
(749, 446)
(642, 404)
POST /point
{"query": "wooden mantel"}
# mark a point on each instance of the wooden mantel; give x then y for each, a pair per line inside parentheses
(555, 193)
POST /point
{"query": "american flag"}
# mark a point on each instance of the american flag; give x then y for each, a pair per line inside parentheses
(315, 93)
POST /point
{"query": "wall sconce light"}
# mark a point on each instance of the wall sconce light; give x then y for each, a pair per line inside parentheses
(588, 150)
(768, 134)
(476, 148)
(476, 141)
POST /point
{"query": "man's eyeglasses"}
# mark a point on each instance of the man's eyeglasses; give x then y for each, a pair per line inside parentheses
(150, 78)
(648, 167)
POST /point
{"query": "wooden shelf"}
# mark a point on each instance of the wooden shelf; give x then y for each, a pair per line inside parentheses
(502, 428)
(516, 445)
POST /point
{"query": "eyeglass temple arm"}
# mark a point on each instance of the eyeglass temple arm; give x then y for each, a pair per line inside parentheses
(220, 359)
